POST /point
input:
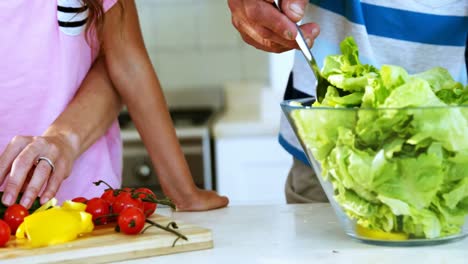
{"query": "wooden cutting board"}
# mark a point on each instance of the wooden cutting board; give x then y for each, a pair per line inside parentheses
(106, 245)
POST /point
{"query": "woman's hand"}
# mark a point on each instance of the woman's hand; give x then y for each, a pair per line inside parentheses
(201, 200)
(89, 115)
(24, 166)
(263, 26)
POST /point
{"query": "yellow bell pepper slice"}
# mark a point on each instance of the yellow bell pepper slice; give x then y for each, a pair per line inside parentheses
(56, 225)
(70, 205)
(52, 202)
(378, 234)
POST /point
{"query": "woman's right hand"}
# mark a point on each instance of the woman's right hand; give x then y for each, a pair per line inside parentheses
(22, 167)
(263, 26)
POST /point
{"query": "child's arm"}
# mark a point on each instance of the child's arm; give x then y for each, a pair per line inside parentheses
(133, 75)
(88, 116)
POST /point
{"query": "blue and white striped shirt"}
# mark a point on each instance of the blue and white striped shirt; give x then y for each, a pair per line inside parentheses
(414, 34)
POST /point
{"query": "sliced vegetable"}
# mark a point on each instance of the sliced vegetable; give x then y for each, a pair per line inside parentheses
(55, 225)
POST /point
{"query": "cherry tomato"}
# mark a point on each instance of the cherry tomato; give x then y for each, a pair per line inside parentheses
(80, 200)
(99, 209)
(149, 207)
(131, 220)
(127, 189)
(4, 233)
(14, 216)
(124, 200)
(109, 196)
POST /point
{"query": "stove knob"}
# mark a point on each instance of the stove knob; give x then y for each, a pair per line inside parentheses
(143, 171)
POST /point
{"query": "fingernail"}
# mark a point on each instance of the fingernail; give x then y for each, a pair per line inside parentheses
(25, 202)
(289, 35)
(8, 199)
(44, 199)
(309, 42)
(315, 32)
(297, 9)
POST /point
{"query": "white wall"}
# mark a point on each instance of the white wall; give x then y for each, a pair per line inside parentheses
(192, 43)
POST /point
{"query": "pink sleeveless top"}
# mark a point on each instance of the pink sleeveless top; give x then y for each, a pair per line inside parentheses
(44, 58)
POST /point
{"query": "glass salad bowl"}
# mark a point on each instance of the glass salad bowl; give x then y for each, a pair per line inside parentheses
(393, 176)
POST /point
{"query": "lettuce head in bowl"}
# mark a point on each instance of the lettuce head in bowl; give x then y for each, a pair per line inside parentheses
(390, 149)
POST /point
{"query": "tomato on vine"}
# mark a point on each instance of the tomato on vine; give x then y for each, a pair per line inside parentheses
(14, 216)
(131, 220)
(124, 200)
(149, 207)
(127, 189)
(4, 233)
(99, 209)
(110, 195)
(80, 200)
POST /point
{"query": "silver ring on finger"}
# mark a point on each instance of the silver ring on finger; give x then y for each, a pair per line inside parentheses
(51, 164)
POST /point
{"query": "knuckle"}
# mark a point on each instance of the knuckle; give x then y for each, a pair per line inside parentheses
(266, 34)
(48, 193)
(33, 190)
(20, 163)
(235, 22)
(42, 170)
(281, 25)
(18, 140)
(33, 148)
(253, 11)
(12, 185)
(54, 149)
(233, 5)
(267, 43)
(40, 141)
(248, 40)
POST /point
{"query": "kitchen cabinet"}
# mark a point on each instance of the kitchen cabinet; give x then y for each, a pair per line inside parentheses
(250, 165)
(251, 169)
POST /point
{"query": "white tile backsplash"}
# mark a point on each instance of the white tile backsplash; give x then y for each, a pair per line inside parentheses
(169, 26)
(214, 22)
(192, 43)
(221, 65)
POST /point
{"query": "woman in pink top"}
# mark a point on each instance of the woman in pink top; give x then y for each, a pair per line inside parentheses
(60, 100)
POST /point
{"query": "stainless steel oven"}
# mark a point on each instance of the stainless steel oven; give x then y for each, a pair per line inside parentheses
(192, 112)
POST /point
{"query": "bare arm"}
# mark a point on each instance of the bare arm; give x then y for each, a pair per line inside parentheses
(88, 116)
(136, 81)
(92, 111)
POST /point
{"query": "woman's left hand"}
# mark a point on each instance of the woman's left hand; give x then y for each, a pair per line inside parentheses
(35, 164)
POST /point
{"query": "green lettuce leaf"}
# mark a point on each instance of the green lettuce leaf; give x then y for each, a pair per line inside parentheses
(393, 145)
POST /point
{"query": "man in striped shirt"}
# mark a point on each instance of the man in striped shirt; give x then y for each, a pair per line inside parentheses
(414, 34)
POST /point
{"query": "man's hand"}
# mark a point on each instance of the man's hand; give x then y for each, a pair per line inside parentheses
(263, 26)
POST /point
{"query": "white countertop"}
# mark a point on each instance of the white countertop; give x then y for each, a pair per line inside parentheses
(306, 233)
